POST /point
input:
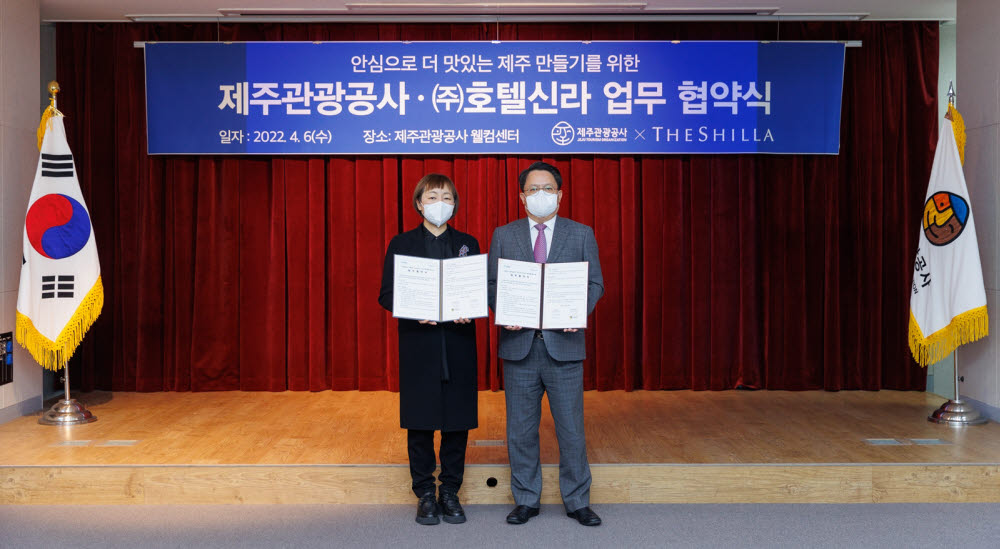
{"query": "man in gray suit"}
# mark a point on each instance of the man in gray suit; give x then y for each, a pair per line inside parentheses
(540, 361)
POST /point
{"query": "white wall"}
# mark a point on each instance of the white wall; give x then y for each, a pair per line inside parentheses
(978, 87)
(19, 115)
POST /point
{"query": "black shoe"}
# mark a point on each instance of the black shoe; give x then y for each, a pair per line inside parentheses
(428, 511)
(585, 516)
(451, 509)
(521, 514)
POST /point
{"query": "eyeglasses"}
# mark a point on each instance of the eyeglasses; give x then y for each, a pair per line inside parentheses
(531, 191)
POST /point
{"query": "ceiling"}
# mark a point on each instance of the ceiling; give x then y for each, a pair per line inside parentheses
(120, 10)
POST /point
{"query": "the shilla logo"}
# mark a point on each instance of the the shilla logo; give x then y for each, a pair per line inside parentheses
(563, 134)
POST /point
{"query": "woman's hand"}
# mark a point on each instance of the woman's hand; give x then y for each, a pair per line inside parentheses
(463, 320)
(431, 322)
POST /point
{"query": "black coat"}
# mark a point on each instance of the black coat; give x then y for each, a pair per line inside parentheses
(426, 401)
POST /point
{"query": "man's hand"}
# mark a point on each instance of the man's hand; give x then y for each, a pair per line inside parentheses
(431, 322)
(462, 320)
(571, 329)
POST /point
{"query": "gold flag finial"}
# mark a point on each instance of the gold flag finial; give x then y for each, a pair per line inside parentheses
(957, 122)
(50, 111)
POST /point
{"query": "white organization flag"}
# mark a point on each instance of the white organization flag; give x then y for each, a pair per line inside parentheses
(947, 297)
(60, 295)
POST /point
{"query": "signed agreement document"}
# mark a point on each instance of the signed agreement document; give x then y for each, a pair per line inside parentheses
(519, 292)
(439, 289)
(564, 295)
(463, 280)
(549, 296)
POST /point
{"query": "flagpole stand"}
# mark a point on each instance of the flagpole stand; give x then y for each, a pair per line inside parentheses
(955, 412)
(67, 411)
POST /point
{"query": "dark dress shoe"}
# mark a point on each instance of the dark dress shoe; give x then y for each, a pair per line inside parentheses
(451, 509)
(428, 511)
(585, 516)
(521, 514)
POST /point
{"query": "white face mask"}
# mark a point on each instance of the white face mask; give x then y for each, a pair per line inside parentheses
(438, 212)
(542, 204)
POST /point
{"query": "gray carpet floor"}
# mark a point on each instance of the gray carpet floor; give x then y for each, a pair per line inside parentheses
(625, 526)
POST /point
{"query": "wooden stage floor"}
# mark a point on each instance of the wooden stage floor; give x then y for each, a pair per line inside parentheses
(645, 446)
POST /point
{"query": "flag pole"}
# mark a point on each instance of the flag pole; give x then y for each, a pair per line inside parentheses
(955, 412)
(67, 411)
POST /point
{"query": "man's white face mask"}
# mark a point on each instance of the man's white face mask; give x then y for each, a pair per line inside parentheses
(542, 204)
(438, 212)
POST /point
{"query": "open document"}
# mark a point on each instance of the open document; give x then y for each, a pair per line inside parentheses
(519, 293)
(564, 295)
(549, 296)
(439, 289)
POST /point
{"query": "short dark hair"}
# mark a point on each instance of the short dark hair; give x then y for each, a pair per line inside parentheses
(540, 166)
(434, 181)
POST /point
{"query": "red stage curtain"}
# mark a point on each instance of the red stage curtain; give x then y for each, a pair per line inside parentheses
(261, 273)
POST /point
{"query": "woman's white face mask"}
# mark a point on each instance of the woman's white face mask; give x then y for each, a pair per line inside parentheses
(438, 212)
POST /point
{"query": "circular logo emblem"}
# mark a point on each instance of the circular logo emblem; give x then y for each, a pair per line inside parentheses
(562, 134)
(57, 226)
(945, 216)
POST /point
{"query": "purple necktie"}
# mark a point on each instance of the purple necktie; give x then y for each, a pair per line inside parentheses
(540, 251)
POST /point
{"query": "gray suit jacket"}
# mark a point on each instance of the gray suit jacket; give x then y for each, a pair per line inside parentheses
(571, 241)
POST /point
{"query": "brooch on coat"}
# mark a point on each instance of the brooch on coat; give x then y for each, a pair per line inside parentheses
(463, 251)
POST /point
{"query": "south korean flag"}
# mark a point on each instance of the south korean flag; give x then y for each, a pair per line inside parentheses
(60, 295)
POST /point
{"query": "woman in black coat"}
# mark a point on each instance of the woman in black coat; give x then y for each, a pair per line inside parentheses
(437, 361)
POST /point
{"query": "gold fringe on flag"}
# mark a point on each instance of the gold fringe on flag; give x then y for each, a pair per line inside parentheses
(49, 112)
(53, 355)
(958, 126)
(965, 328)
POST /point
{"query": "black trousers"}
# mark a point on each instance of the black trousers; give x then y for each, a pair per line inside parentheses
(420, 445)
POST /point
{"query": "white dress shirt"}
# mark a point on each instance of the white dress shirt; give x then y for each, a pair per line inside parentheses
(550, 225)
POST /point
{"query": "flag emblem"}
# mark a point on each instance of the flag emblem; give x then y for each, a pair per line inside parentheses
(57, 226)
(945, 216)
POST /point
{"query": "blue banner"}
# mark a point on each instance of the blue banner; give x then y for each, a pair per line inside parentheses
(494, 98)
